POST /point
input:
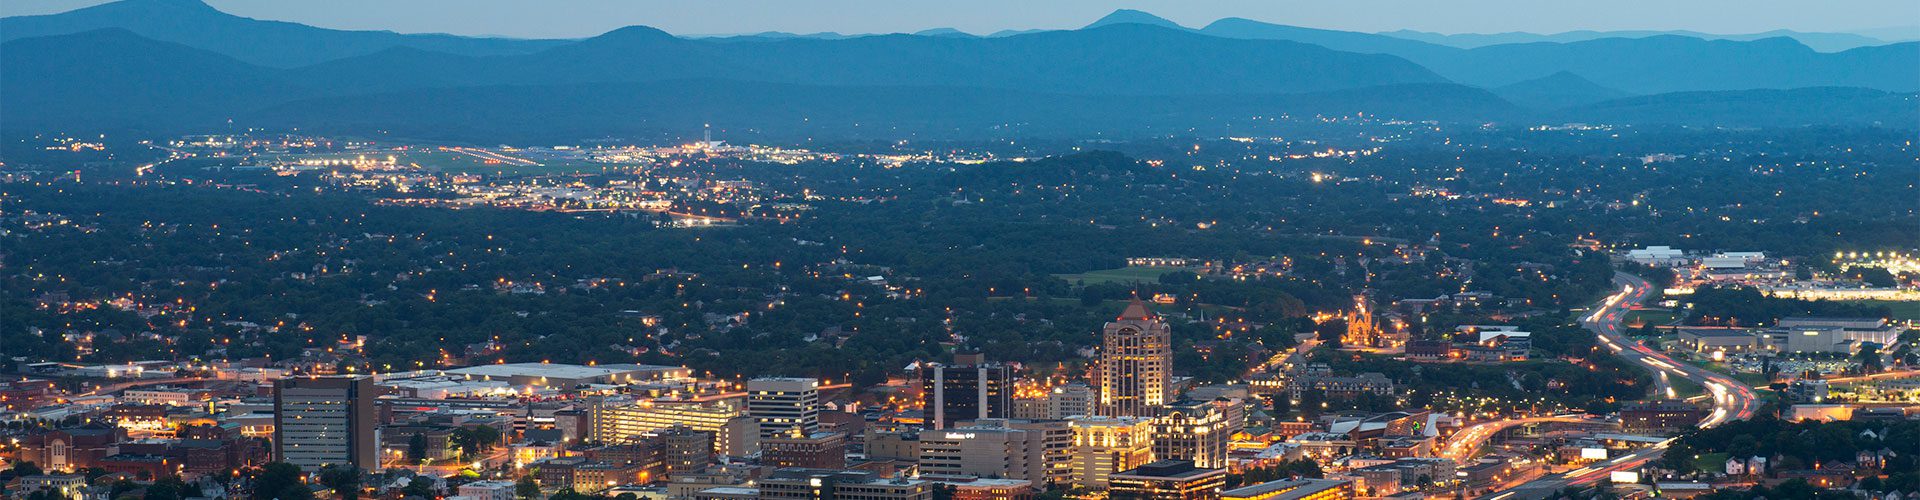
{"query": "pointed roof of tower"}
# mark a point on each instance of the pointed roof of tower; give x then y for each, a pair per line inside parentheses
(1136, 310)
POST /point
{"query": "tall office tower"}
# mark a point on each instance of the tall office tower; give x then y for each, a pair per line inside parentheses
(1103, 446)
(1136, 359)
(784, 406)
(1193, 431)
(969, 389)
(321, 421)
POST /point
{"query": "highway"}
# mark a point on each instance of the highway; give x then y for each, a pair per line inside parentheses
(1732, 400)
(1464, 442)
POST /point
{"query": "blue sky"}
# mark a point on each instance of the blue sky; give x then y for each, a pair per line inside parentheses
(579, 18)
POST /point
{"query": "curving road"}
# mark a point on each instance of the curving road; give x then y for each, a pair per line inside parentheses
(1464, 442)
(1732, 400)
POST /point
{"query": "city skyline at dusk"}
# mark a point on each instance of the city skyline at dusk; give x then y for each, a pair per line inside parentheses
(1150, 250)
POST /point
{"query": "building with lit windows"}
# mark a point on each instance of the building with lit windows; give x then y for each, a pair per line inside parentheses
(969, 389)
(784, 406)
(320, 421)
(622, 423)
(70, 449)
(1194, 431)
(1103, 446)
(1656, 416)
(1293, 489)
(1168, 480)
(1136, 362)
(989, 489)
(823, 484)
(61, 485)
(561, 375)
(1038, 452)
(1061, 402)
(686, 450)
(488, 490)
(820, 450)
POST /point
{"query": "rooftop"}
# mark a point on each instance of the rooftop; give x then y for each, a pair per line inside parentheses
(1136, 310)
(1293, 488)
(1168, 469)
(551, 370)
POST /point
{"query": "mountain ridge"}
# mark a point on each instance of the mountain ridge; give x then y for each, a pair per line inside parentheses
(117, 77)
(281, 44)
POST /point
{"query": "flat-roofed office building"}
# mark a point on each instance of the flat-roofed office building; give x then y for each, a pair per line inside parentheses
(1103, 446)
(969, 389)
(784, 406)
(321, 421)
(1168, 480)
(1039, 452)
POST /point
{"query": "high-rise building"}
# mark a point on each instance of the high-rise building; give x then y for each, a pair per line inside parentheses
(1193, 431)
(321, 421)
(1136, 362)
(1103, 446)
(784, 406)
(1039, 452)
(969, 389)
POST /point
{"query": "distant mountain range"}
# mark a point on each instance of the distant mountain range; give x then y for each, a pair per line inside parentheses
(179, 64)
(1824, 42)
(266, 43)
(1650, 64)
(1557, 91)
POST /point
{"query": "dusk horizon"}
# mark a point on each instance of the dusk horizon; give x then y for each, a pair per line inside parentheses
(998, 250)
(1878, 18)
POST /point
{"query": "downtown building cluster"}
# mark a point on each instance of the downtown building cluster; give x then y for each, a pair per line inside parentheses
(971, 427)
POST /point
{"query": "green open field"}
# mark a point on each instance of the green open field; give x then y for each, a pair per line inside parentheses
(1652, 317)
(1901, 310)
(1711, 461)
(1684, 388)
(1125, 275)
(1756, 380)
